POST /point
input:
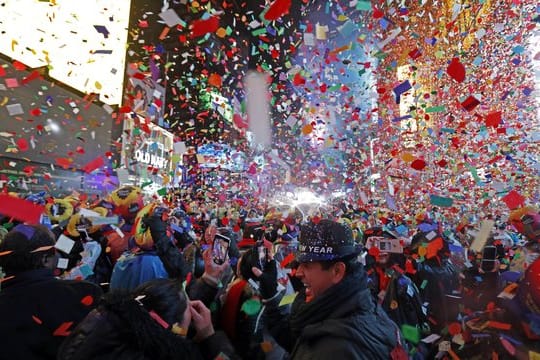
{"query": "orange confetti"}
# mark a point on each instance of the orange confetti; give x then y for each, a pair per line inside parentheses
(215, 80)
(308, 129)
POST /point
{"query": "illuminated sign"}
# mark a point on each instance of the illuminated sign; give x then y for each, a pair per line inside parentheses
(154, 159)
(83, 43)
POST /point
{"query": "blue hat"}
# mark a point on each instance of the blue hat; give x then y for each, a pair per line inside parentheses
(326, 240)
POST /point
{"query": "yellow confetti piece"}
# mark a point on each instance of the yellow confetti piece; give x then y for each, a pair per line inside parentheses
(13, 43)
(307, 129)
(422, 251)
(221, 32)
(407, 157)
(4, 101)
(98, 85)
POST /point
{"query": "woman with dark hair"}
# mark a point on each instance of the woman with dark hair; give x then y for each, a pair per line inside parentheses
(37, 309)
(149, 323)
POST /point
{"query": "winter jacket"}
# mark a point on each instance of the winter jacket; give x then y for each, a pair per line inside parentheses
(105, 335)
(37, 311)
(343, 323)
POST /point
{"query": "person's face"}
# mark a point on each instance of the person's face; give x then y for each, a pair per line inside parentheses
(50, 261)
(316, 279)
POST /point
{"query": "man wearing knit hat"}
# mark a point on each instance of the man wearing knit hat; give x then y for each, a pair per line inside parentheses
(334, 316)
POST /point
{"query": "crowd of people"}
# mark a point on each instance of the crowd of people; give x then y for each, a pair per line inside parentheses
(181, 276)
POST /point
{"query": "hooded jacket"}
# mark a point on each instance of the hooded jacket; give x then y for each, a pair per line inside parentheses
(119, 329)
(37, 311)
(343, 323)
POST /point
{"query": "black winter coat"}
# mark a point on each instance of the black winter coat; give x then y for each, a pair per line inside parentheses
(105, 336)
(33, 307)
(343, 324)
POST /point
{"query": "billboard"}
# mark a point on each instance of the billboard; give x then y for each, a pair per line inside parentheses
(82, 43)
(48, 124)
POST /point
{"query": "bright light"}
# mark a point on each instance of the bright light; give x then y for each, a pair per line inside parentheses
(307, 197)
(54, 127)
(82, 42)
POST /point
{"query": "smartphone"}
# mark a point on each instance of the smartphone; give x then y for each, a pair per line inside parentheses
(263, 255)
(220, 248)
(489, 256)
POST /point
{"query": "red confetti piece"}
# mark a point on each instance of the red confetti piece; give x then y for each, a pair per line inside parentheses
(34, 75)
(433, 248)
(298, 80)
(37, 320)
(456, 70)
(316, 220)
(470, 103)
(125, 109)
(225, 221)
(22, 144)
(93, 165)
(442, 163)
(20, 209)
(62, 330)
(499, 325)
(203, 27)
(377, 14)
(493, 119)
(418, 164)
(239, 122)
(277, 9)
(19, 65)
(454, 328)
(87, 300)
(415, 54)
(63, 162)
(287, 260)
(513, 200)
(28, 170)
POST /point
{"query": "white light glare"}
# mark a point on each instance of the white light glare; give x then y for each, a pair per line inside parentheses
(307, 197)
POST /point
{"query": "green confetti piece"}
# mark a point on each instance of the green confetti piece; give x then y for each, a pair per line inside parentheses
(424, 284)
(287, 299)
(411, 333)
(441, 201)
(258, 32)
(8, 225)
(363, 5)
(145, 184)
(162, 191)
(435, 109)
(251, 307)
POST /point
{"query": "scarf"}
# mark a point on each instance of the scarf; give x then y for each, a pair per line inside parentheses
(322, 307)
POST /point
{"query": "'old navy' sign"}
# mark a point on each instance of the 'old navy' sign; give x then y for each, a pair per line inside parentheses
(152, 159)
(316, 249)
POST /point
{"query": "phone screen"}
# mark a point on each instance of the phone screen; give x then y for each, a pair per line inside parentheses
(220, 248)
(489, 255)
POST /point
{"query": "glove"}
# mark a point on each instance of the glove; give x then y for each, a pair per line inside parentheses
(267, 279)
